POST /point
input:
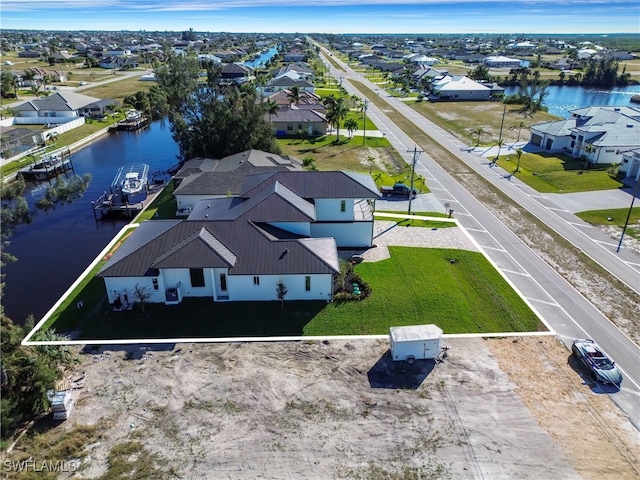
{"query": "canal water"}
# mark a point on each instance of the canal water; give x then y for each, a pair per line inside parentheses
(58, 245)
(262, 59)
(562, 99)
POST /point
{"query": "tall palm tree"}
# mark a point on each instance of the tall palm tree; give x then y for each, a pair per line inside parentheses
(499, 143)
(377, 177)
(588, 149)
(336, 112)
(520, 126)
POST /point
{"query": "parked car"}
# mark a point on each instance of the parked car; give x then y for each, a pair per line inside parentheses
(397, 190)
(82, 83)
(595, 360)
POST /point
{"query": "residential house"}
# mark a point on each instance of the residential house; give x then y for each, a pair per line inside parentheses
(203, 178)
(306, 99)
(630, 164)
(62, 107)
(29, 54)
(284, 228)
(459, 87)
(235, 72)
(295, 54)
(502, 62)
(598, 134)
(285, 82)
(296, 120)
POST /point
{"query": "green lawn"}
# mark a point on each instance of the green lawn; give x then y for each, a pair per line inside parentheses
(414, 286)
(558, 173)
(406, 222)
(618, 217)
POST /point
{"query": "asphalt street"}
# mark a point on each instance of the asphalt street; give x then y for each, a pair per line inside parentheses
(568, 313)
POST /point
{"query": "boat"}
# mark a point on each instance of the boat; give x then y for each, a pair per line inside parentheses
(131, 179)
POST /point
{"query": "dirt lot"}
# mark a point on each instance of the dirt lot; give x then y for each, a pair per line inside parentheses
(342, 409)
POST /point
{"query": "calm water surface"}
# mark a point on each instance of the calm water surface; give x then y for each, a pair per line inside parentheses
(262, 59)
(562, 99)
(54, 250)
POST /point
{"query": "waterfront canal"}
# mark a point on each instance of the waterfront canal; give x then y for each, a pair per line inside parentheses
(58, 245)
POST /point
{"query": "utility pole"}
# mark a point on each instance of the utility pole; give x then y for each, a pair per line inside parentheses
(626, 222)
(416, 152)
(364, 110)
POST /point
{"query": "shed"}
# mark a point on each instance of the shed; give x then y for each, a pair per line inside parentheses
(416, 342)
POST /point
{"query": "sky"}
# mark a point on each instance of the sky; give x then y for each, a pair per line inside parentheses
(326, 16)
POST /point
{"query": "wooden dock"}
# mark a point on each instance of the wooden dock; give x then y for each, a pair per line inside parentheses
(111, 204)
(48, 166)
(131, 124)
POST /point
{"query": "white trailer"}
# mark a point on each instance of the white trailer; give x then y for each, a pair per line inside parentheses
(417, 342)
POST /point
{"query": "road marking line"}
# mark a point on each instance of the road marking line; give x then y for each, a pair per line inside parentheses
(552, 304)
(475, 230)
(600, 242)
(495, 248)
(523, 274)
(584, 225)
(557, 209)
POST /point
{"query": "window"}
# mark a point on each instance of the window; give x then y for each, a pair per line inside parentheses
(343, 205)
(256, 281)
(289, 127)
(223, 282)
(155, 283)
(299, 126)
(197, 277)
(307, 283)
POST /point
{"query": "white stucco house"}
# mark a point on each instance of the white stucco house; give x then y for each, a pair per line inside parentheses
(458, 87)
(283, 227)
(500, 61)
(60, 107)
(600, 134)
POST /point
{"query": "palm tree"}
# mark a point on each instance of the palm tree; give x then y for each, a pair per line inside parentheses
(294, 94)
(351, 125)
(478, 131)
(371, 160)
(336, 112)
(520, 126)
(519, 155)
(588, 149)
(271, 107)
(377, 177)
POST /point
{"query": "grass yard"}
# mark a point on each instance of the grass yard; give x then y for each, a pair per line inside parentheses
(120, 89)
(407, 222)
(558, 173)
(414, 286)
(463, 119)
(349, 154)
(618, 217)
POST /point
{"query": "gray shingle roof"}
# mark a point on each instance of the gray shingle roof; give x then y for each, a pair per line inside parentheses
(58, 102)
(295, 114)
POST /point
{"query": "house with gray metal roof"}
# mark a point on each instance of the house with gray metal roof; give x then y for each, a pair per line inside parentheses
(599, 134)
(61, 107)
(282, 227)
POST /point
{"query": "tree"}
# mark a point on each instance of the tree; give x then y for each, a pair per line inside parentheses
(377, 177)
(478, 132)
(141, 294)
(336, 112)
(481, 72)
(272, 107)
(281, 292)
(309, 163)
(294, 95)
(519, 155)
(520, 126)
(588, 150)
(371, 160)
(212, 119)
(499, 143)
(351, 125)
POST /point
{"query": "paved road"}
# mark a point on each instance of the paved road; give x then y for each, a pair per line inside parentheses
(561, 306)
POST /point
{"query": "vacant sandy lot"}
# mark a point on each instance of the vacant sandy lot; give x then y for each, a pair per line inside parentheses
(342, 409)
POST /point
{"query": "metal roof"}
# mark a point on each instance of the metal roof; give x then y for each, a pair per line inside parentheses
(315, 184)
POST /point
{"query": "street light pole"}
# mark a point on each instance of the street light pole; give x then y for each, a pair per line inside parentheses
(626, 222)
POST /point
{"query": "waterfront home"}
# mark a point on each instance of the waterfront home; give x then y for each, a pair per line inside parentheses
(61, 107)
(202, 178)
(598, 134)
(502, 62)
(457, 87)
(283, 229)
